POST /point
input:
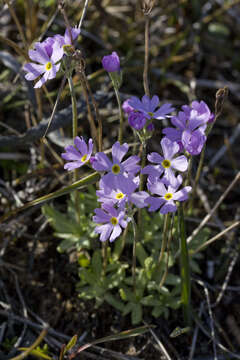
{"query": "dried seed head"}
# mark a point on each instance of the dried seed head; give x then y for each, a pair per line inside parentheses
(147, 6)
(221, 95)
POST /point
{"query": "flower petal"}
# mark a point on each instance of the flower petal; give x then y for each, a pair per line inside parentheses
(118, 151)
(101, 162)
(170, 148)
(180, 163)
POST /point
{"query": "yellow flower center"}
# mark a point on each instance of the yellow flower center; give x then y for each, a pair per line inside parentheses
(116, 169)
(168, 196)
(83, 158)
(48, 66)
(114, 221)
(120, 196)
(166, 164)
(151, 114)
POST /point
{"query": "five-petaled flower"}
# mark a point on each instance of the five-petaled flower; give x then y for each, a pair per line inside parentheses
(167, 195)
(47, 55)
(167, 163)
(119, 173)
(113, 221)
(77, 157)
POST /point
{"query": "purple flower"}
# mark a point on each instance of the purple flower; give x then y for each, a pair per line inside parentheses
(126, 107)
(148, 106)
(111, 63)
(122, 196)
(167, 194)
(168, 163)
(190, 125)
(77, 157)
(119, 174)
(65, 41)
(46, 54)
(113, 221)
(137, 120)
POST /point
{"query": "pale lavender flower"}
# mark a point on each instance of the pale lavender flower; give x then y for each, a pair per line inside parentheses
(119, 173)
(111, 63)
(47, 55)
(122, 196)
(167, 163)
(126, 107)
(148, 107)
(167, 195)
(190, 125)
(77, 156)
(137, 120)
(65, 41)
(113, 221)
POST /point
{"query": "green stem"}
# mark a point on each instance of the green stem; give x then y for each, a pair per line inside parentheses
(120, 134)
(164, 239)
(134, 254)
(184, 268)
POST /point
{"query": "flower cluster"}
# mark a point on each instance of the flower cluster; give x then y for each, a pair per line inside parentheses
(189, 127)
(47, 56)
(118, 188)
(118, 191)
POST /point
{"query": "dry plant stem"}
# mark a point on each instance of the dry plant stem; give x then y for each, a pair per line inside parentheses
(165, 236)
(83, 14)
(214, 238)
(146, 57)
(33, 346)
(208, 216)
(104, 256)
(97, 115)
(135, 234)
(12, 11)
(56, 104)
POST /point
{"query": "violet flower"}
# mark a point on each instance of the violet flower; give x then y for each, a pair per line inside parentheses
(137, 120)
(190, 125)
(168, 163)
(111, 63)
(46, 54)
(121, 197)
(77, 157)
(148, 107)
(113, 221)
(119, 173)
(167, 195)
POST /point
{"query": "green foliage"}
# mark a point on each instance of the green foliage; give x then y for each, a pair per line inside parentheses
(113, 284)
(75, 227)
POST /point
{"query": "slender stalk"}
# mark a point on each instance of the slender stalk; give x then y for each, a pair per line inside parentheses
(120, 133)
(184, 268)
(168, 252)
(104, 257)
(146, 57)
(134, 254)
(164, 239)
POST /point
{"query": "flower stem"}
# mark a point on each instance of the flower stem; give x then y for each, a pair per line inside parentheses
(120, 134)
(184, 268)
(134, 254)
(164, 239)
(74, 117)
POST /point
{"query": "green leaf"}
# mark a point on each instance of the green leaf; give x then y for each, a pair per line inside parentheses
(141, 253)
(70, 344)
(97, 263)
(117, 304)
(150, 300)
(37, 352)
(136, 315)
